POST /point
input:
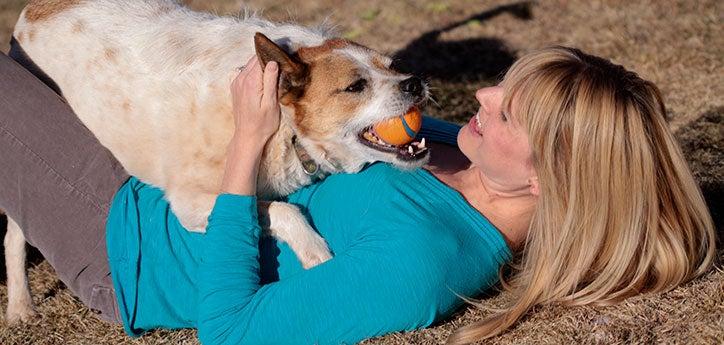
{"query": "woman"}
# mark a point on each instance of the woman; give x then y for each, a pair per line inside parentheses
(618, 212)
(569, 160)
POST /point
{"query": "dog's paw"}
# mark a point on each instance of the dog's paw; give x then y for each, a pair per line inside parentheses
(19, 313)
(314, 252)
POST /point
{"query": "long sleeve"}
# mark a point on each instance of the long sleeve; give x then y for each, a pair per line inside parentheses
(229, 268)
(342, 301)
(439, 131)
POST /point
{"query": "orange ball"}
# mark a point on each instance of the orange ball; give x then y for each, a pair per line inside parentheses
(400, 130)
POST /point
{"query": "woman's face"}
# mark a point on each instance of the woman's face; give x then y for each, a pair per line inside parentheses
(497, 145)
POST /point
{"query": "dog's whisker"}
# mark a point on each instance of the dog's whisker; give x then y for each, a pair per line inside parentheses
(431, 99)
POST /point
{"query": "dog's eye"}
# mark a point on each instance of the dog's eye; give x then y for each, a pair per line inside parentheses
(357, 86)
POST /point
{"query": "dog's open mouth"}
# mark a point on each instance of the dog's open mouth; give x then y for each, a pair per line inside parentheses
(413, 151)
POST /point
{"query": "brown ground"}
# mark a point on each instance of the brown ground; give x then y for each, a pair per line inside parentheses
(462, 45)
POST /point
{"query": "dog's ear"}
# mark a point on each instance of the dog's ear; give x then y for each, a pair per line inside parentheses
(294, 74)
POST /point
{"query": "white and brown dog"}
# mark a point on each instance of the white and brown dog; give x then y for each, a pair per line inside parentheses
(151, 78)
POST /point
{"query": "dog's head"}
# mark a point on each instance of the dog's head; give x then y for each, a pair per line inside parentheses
(334, 93)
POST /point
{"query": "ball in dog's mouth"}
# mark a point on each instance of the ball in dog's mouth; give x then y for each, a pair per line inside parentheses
(411, 151)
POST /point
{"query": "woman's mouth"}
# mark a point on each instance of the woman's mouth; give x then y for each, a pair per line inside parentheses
(475, 126)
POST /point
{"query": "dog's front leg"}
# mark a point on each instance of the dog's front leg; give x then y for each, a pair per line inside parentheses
(20, 304)
(285, 222)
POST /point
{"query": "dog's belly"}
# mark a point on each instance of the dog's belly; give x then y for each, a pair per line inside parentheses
(156, 95)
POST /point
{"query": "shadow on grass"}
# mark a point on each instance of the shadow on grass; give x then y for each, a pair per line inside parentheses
(465, 60)
(454, 69)
(702, 142)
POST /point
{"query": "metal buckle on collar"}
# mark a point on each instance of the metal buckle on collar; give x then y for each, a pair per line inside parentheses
(309, 166)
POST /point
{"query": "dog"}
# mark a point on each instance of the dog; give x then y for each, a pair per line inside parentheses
(151, 79)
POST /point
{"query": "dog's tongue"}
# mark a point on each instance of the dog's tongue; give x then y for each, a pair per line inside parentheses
(400, 130)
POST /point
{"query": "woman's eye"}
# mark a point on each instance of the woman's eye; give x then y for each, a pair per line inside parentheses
(357, 87)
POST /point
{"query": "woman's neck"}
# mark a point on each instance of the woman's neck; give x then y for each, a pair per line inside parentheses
(509, 211)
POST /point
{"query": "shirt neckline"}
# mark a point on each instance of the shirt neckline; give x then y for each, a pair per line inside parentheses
(454, 196)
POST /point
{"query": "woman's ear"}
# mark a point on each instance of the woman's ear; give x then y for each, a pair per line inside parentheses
(534, 186)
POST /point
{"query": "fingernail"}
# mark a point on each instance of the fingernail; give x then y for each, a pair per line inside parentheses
(273, 66)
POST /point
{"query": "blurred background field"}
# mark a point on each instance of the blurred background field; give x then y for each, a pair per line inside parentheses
(460, 46)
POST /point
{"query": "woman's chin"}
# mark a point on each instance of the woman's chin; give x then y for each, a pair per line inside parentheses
(465, 143)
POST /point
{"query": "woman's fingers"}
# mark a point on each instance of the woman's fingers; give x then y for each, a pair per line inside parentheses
(254, 100)
(269, 95)
(244, 71)
(252, 79)
(247, 72)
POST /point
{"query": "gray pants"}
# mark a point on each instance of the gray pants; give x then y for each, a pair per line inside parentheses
(57, 183)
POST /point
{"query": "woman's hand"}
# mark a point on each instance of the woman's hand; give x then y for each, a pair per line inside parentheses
(255, 103)
(256, 118)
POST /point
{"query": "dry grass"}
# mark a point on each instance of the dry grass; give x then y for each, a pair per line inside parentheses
(462, 45)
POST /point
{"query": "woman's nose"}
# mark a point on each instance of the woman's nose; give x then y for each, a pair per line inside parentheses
(487, 93)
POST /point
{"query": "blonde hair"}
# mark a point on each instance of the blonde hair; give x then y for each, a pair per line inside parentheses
(619, 212)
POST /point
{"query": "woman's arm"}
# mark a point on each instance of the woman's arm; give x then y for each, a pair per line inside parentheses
(369, 289)
(441, 137)
(440, 131)
(374, 287)
(255, 105)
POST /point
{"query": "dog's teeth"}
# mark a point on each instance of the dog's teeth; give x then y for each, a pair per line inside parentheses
(422, 143)
(409, 149)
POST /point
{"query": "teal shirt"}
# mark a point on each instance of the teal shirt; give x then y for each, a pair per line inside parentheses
(405, 246)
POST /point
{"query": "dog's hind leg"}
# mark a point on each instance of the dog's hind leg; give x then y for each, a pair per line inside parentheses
(20, 304)
(191, 207)
(285, 222)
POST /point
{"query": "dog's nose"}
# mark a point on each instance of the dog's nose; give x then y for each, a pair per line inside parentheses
(412, 86)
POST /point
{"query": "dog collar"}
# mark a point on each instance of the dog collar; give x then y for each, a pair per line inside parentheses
(309, 165)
